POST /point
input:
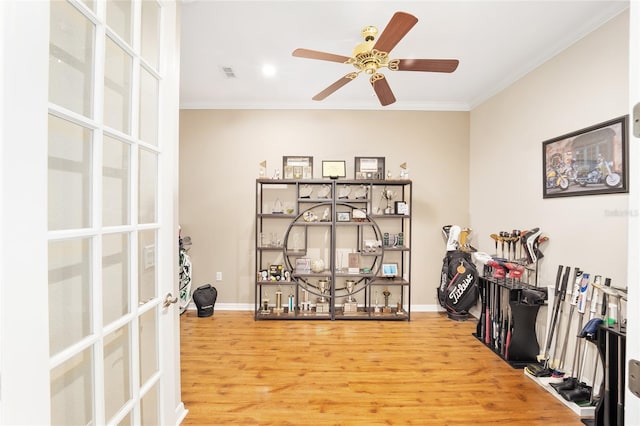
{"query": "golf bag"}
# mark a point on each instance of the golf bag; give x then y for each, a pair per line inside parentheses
(205, 298)
(458, 290)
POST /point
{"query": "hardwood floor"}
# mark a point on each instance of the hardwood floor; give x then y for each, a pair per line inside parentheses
(429, 371)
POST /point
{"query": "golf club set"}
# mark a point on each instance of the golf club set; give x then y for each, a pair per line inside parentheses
(604, 305)
(515, 251)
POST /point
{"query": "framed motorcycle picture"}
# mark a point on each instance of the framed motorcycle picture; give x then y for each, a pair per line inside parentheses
(589, 161)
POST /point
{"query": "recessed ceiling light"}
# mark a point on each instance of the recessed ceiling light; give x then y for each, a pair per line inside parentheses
(268, 70)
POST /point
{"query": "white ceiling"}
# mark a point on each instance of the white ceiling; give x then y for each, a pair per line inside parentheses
(497, 42)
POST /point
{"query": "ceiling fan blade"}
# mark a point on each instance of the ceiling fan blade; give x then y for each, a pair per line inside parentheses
(396, 29)
(382, 89)
(322, 56)
(335, 86)
(428, 65)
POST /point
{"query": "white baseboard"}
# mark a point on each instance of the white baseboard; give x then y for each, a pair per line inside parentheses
(249, 307)
(181, 413)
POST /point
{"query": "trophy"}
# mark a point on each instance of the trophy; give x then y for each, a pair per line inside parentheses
(344, 191)
(350, 305)
(322, 306)
(388, 195)
(278, 309)
(404, 171)
(291, 302)
(263, 169)
(305, 305)
(376, 308)
(386, 309)
(265, 307)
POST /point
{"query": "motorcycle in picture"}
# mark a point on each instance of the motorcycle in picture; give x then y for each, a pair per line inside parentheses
(557, 178)
(602, 173)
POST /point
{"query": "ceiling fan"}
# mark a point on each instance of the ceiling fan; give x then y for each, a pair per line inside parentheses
(372, 54)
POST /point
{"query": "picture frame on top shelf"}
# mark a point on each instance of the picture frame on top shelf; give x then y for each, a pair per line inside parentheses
(297, 167)
(334, 169)
(590, 161)
(369, 168)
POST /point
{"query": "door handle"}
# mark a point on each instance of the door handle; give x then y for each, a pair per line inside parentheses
(168, 300)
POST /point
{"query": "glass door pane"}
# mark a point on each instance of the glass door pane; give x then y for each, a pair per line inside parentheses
(69, 175)
(148, 186)
(147, 266)
(71, 52)
(115, 276)
(148, 345)
(72, 391)
(150, 37)
(115, 182)
(69, 292)
(149, 407)
(148, 107)
(117, 87)
(117, 370)
(119, 18)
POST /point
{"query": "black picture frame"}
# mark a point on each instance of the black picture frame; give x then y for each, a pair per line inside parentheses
(590, 161)
(297, 167)
(369, 168)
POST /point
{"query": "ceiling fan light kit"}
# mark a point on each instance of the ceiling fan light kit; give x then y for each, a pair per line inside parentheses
(371, 55)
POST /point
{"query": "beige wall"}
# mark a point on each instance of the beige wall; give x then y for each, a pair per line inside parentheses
(584, 85)
(482, 168)
(219, 155)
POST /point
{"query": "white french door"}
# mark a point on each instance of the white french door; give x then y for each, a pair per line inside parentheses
(97, 143)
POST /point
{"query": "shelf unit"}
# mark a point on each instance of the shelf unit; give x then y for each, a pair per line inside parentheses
(323, 246)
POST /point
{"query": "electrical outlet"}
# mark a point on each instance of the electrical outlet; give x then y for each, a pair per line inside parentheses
(218, 276)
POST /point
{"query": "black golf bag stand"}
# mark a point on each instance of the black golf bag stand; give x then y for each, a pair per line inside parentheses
(205, 299)
(458, 290)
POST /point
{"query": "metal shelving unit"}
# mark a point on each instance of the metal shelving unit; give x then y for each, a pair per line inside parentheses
(321, 246)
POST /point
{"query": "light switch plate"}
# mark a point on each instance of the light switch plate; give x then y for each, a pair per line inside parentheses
(149, 256)
(636, 121)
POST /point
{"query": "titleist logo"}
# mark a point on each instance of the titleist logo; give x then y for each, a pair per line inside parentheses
(460, 289)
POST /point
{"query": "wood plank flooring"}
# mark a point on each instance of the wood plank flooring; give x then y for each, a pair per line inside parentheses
(429, 371)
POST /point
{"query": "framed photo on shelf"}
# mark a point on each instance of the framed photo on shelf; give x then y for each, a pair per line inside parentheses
(371, 168)
(343, 216)
(298, 167)
(390, 270)
(334, 169)
(589, 161)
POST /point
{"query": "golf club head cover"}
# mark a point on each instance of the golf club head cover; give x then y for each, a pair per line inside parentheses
(498, 270)
(589, 330)
(531, 238)
(533, 297)
(445, 232)
(454, 238)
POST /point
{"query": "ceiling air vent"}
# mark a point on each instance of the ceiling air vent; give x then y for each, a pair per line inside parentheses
(228, 71)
